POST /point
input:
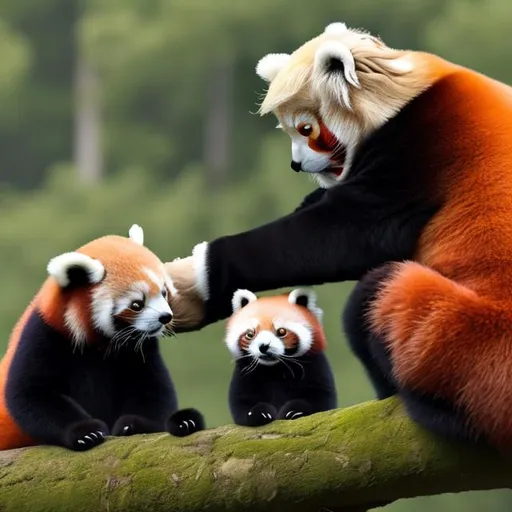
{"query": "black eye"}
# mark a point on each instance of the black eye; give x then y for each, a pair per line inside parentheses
(137, 305)
(281, 332)
(305, 129)
(249, 334)
(164, 293)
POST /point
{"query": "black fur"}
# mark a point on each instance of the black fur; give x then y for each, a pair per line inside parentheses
(374, 216)
(431, 412)
(75, 396)
(185, 422)
(281, 391)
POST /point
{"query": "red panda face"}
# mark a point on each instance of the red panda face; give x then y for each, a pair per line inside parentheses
(335, 90)
(315, 149)
(274, 329)
(114, 286)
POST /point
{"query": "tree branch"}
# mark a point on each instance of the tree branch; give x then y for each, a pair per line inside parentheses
(345, 460)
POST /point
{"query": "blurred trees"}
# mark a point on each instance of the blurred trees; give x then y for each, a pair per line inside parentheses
(176, 96)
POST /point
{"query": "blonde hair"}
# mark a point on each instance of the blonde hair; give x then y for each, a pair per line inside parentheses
(383, 80)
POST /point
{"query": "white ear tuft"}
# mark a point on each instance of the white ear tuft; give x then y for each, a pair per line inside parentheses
(75, 269)
(136, 234)
(305, 297)
(270, 65)
(336, 28)
(334, 57)
(241, 298)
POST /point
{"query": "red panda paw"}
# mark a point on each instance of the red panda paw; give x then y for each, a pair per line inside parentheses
(85, 435)
(261, 414)
(185, 422)
(293, 410)
(131, 424)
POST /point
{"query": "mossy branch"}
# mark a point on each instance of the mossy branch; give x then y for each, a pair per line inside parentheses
(345, 460)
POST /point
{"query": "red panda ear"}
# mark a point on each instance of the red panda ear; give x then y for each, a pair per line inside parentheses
(336, 28)
(305, 297)
(136, 234)
(241, 298)
(334, 71)
(269, 66)
(73, 269)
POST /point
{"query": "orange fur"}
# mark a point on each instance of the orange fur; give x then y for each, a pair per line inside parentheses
(11, 436)
(447, 317)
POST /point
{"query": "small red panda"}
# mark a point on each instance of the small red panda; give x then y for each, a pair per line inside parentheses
(281, 370)
(83, 361)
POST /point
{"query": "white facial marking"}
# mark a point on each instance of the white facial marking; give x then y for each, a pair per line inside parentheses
(273, 347)
(170, 284)
(301, 330)
(137, 292)
(158, 280)
(74, 325)
(102, 307)
(233, 335)
(148, 320)
(310, 160)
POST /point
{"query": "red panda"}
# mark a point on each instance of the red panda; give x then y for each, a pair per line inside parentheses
(83, 360)
(281, 370)
(415, 203)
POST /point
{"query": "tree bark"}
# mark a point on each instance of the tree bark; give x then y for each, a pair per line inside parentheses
(347, 460)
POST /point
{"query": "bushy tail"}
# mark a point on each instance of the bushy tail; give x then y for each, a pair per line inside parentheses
(448, 341)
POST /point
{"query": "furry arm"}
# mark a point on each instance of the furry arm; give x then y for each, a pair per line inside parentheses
(349, 230)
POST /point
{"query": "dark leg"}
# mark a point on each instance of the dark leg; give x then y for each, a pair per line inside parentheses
(438, 416)
(368, 348)
(145, 392)
(248, 400)
(35, 391)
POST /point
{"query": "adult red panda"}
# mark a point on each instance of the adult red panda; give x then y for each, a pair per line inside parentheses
(414, 157)
(281, 370)
(83, 361)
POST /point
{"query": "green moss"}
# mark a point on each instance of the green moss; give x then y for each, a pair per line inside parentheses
(363, 453)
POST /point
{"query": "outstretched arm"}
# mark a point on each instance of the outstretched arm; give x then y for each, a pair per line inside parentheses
(340, 236)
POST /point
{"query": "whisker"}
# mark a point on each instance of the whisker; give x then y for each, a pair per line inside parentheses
(284, 362)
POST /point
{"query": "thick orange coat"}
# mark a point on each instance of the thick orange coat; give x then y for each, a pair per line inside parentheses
(447, 316)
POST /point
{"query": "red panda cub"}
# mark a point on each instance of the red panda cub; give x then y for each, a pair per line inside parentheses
(83, 361)
(281, 370)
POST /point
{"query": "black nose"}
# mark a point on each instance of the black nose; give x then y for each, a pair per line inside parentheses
(264, 348)
(165, 318)
(296, 166)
